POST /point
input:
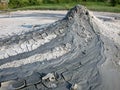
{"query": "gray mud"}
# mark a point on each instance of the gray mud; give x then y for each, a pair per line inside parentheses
(65, 55)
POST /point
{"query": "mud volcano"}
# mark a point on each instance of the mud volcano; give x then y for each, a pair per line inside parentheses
(65, 55)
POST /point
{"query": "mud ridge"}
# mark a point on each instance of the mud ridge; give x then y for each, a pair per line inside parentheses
(65, 55)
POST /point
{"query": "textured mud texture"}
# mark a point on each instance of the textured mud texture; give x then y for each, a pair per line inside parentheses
(64, 55)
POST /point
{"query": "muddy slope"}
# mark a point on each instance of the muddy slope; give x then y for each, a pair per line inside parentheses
(65, 55)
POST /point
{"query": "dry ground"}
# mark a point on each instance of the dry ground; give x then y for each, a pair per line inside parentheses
(20, 21)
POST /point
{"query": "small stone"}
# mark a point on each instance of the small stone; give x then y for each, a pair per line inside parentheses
(68, 46)
(49, 80)
(61, 31)
(44, 35)
(74, 87)
(57, 48)
(50, 77)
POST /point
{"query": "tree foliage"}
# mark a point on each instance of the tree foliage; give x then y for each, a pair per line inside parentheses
(18, 3)
(113, 2)
(23, 3)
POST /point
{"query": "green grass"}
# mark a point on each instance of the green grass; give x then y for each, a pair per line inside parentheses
(105, 7)
(49, 7)
(95, 6)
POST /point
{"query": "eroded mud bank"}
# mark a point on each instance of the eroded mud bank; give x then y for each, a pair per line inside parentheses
(68, 54)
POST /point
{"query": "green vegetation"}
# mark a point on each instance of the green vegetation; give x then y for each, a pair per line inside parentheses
(97, 5)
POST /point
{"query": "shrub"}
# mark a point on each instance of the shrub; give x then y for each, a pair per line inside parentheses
(59, 1)
(18, 3)
(113, 2)
(34, 2)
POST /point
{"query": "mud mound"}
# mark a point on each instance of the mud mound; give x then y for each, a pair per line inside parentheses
(64, 55)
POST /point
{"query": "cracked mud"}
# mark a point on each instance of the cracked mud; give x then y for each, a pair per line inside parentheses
(64, 55)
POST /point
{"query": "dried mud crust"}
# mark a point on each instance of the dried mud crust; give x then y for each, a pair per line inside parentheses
(61, 56)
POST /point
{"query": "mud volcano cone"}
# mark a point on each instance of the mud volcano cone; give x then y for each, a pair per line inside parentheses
(61, 56)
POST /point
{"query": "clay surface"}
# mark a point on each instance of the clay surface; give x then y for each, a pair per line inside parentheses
(78, 52)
